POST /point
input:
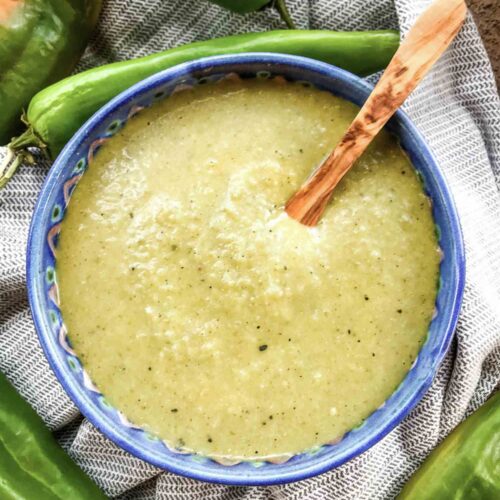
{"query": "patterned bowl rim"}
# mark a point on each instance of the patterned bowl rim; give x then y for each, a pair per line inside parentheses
(306, 464)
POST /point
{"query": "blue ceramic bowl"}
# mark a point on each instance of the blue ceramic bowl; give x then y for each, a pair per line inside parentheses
(44, 300)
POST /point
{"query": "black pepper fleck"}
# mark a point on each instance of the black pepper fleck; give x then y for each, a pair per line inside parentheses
(263, 347)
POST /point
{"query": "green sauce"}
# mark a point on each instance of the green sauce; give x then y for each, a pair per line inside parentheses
(212, 319)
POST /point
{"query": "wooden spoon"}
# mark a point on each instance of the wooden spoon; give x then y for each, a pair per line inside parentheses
(426, 41)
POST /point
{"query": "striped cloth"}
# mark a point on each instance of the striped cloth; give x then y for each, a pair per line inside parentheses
(458, 110)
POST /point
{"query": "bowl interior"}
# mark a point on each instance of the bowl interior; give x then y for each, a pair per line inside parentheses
(44, 299)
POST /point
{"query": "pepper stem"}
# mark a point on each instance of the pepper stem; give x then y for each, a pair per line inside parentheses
(281, 7)
(17, 153)
(8, 167)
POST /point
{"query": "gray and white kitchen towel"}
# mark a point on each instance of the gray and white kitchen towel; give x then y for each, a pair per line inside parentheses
(458, 110)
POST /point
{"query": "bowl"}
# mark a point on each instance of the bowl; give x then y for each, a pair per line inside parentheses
(44, 299)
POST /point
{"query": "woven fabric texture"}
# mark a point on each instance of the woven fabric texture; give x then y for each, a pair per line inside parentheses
(457, 108)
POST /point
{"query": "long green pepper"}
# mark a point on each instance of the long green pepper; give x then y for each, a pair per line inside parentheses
(466, 465)
(32, 464)
(57, 112)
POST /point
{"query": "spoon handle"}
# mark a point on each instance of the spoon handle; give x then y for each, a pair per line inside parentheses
(426, 41)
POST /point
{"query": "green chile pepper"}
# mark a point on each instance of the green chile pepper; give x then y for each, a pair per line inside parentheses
(40, 43)
(245, 6)
(57, 112)
(466, 465)
(32, 464)
(242, 6)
